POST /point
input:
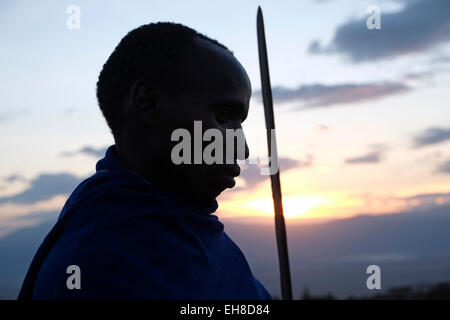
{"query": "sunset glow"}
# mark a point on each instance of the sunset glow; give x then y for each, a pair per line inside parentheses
(293, 207)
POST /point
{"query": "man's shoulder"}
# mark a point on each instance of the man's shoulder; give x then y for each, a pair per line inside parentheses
(110, 225)
(104, 183)
(110, 218)
(106, 196)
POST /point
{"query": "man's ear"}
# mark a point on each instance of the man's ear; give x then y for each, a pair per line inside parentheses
(144, 101)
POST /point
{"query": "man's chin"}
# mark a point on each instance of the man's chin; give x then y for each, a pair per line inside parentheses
(222, 183)
(202, 192)
(229, 181)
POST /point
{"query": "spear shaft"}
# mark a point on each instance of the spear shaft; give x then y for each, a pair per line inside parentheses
(280, 228)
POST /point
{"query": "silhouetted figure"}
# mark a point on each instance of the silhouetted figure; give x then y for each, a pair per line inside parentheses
(142, 227)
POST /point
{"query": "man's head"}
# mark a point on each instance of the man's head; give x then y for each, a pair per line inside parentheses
(162, 77)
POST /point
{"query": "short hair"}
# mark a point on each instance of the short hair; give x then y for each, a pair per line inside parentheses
(149, 52)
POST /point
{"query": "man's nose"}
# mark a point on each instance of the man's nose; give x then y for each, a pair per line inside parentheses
(246, 153)
(238, 153)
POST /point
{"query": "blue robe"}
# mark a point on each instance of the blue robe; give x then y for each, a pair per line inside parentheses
(131, 240)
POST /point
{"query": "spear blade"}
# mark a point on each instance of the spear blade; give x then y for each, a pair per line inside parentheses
(280, 228)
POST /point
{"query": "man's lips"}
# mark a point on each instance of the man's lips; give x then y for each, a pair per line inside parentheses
(229, 172)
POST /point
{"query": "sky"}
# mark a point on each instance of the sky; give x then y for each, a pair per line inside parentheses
(362, 116)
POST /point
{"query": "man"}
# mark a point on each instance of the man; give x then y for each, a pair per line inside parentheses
(142, 226)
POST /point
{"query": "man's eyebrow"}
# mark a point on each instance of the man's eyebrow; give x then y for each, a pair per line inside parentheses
(237, 107)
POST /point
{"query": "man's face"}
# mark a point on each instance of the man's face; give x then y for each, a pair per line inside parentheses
(217, 93)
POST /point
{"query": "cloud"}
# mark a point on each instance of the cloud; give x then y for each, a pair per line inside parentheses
(45, 186)
(424, 201)
(420, 201)
(319, 95)
(87, 150)
(11, 115)
(371, 157)
(431, 136)
(442, 59)
(252, 176)
(323, 127)
(374, 156)
(419, 26)
(17, 216)
(69, 111)
(14, 177)
(430, 157)
(420, 75)
(426, 75)
(45, 193)
(315, 47)
(426, 198)
(444, 167)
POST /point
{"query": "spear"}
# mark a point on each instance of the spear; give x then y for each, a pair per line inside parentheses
(280, 228)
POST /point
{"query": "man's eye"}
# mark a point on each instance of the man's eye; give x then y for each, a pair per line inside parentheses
(223, 115)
